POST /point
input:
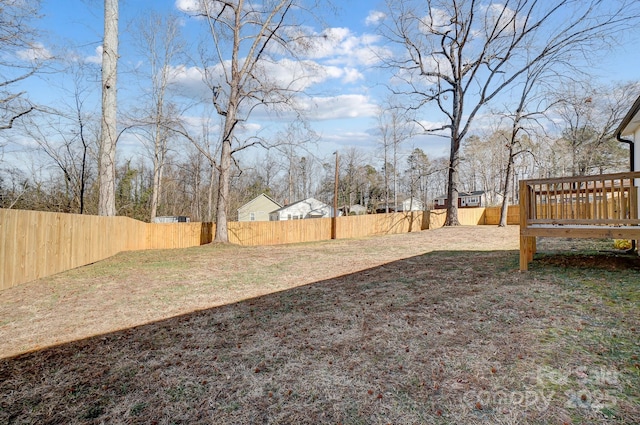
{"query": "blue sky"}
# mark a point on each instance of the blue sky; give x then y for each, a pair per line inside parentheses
(344, 102)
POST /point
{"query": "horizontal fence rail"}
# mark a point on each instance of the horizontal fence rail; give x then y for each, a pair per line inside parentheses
(35, 244)
(600, 206)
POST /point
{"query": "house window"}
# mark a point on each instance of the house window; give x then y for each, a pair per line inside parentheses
(252, 216)
(288, 216)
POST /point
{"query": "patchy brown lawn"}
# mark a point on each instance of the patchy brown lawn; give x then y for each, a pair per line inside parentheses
(431, 327)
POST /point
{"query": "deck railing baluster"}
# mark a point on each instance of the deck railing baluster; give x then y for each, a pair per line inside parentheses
(603, 206)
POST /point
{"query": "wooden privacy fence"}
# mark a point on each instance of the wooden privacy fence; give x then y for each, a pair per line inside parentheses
(36, 244)
(492, 215)
(254, 233)
(601, 206)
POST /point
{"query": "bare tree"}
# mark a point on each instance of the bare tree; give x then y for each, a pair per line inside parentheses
(21, 58)
(202, 134)
(460, 55)
(530, 109)
(247, 39)
(161, 44)
(293, 144)
(419, 169)
(589, 115)
(108, 133)
(14, 184)
(65, 137)
(395, 127)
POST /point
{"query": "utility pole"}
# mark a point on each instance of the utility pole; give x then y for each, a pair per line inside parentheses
(334, 219)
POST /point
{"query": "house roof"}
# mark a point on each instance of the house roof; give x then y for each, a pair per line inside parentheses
(460, 194)
(473, 193)
(631, 121)
(308, 201)
(262, 195)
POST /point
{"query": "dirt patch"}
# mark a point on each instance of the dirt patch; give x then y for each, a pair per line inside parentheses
(434, 327)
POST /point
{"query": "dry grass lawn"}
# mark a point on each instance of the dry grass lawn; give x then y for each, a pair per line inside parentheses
(436, 327)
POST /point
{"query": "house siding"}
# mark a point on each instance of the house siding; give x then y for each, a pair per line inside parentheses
(260, 207)
(415, 205)
(308, 208)
(465, 200)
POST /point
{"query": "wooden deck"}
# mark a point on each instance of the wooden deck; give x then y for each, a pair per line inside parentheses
(601, 206)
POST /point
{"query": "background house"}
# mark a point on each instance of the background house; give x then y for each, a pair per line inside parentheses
(258, 209)
(412, 204)
(357, 210)
(171, 219)
(477, 198)
(307, 208)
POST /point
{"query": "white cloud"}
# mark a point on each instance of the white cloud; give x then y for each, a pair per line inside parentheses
(294, 76)
(300, 75)
(36, 52)
(97, 58)
(197, 8)
(339, 46)
(352, 75)
(438, 21)
(188, 6)
(375, 17)
(502, 16)
(343, 106)
(425, 125)
(251, 128)
(188, 82)
(343, 137)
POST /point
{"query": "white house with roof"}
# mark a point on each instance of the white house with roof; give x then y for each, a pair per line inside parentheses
(258, 208)
(412, 204)
(357, 209)
(477, 198)
(307, 208)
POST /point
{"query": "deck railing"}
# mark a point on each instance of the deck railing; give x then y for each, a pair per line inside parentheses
(599, 206)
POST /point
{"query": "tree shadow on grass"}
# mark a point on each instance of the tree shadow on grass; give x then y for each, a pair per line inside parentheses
(406, 342)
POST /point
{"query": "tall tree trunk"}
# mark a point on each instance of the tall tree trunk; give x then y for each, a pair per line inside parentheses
(212, 178)
(108, 135)
(386, 179)
(157, 176)
(155, 192)
(395, 175)
(504, 209)
(222, 234)
(453, 183)
(83, 168)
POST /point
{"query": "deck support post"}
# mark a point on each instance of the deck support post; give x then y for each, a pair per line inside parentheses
(525, 241)
(527, 250)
